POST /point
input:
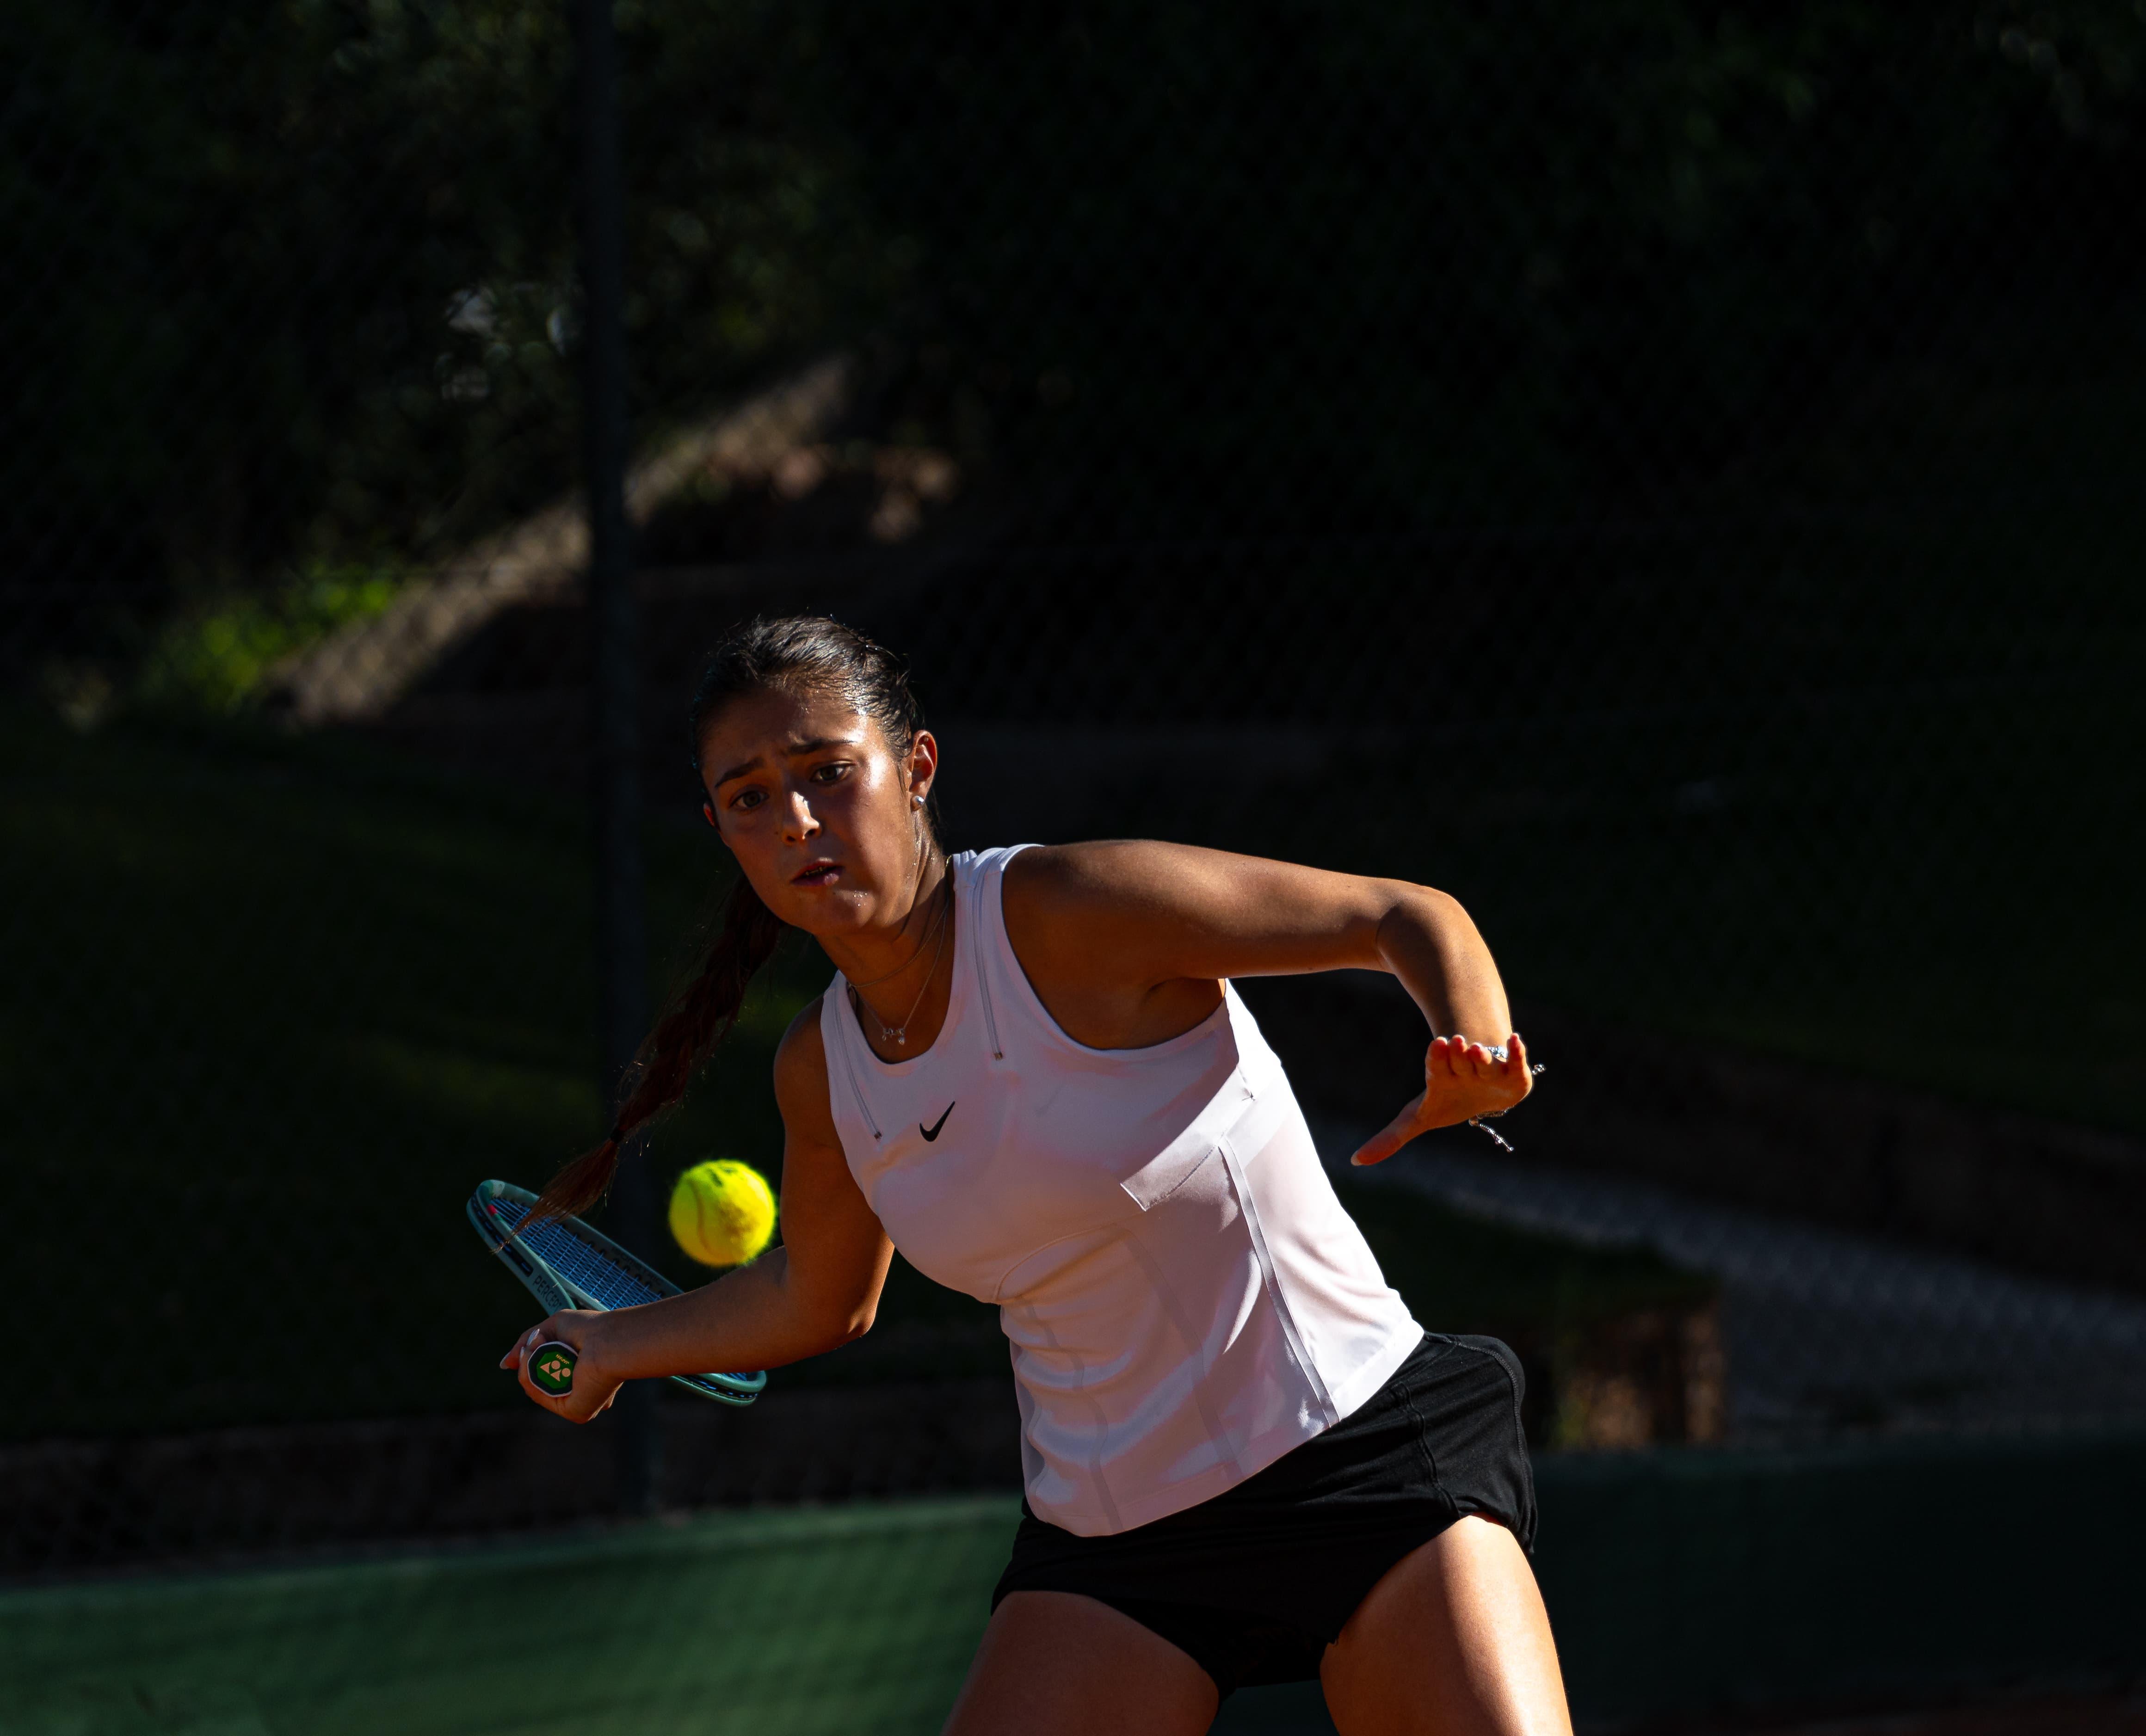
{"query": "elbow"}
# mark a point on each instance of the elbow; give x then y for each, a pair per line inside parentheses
(1447, 918)
(833, 1329)
(1443, 908)
(1415, 910)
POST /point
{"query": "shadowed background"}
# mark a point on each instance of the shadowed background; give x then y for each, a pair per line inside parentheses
(1666, 475)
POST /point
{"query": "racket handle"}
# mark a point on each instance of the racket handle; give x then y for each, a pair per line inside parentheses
(551, 1368)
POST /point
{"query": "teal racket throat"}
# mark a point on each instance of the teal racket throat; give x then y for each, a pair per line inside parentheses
(564, 1263)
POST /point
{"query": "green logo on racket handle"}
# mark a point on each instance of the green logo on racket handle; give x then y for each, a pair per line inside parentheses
(552, 1370)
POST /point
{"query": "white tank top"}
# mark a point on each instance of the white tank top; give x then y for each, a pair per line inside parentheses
(1184, 1297)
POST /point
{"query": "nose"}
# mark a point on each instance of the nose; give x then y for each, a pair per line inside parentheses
(799, 822)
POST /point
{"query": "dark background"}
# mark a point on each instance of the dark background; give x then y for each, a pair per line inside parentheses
(1667, 474)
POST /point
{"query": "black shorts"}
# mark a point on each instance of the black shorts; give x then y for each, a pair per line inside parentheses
(1255, 1583)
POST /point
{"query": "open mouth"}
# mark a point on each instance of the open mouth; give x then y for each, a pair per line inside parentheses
(816, 874)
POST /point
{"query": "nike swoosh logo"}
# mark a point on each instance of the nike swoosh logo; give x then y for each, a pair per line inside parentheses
(932, 1131)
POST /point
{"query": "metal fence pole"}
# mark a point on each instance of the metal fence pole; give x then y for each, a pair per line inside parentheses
(622, 947)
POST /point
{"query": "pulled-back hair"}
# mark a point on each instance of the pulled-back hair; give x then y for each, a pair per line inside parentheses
(798, 654)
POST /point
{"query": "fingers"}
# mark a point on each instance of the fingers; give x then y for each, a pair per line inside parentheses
(1456, 1057)
(1461, 1079)
(579, 1405)
(517, 1359)
(518, 1354)
(1448, 1055)
(1391, 1138)
(527, 1342)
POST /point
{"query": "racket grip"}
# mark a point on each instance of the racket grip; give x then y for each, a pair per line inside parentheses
(551, 1368)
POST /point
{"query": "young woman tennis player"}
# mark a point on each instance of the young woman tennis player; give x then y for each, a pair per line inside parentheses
(1244, 1461)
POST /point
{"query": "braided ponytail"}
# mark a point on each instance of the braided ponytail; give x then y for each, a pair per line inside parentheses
(802, 653)
(686, 1034)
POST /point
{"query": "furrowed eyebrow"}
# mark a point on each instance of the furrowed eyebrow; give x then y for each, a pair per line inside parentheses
(793, 749)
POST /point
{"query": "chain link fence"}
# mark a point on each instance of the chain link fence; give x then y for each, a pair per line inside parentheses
(1669, 477)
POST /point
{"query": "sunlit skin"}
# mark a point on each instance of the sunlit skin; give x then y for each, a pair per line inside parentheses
(827, 825)
(1127, 945)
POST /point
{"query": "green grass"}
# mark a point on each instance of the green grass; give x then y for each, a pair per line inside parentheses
(1678, 1584)
(790, 1623)
(216, 656)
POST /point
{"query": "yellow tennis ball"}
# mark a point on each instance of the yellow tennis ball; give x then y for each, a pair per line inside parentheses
(722, 1212)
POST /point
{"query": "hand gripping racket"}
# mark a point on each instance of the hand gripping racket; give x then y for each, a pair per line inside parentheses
(566, 1265)
(551, 1367)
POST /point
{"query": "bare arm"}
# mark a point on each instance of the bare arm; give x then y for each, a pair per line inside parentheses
(817, 1290)
(1126, 943)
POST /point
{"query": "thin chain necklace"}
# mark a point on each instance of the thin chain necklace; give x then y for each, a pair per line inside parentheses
(898, 1035)
(885, 975)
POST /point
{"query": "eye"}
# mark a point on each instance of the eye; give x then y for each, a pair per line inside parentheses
(832, 772)
(746, 800)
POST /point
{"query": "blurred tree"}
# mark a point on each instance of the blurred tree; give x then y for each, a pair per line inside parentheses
(1349, 268)
(305, 276)
(297, 274)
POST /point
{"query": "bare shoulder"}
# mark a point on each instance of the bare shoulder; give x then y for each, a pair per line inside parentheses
(1112, 873)
(1117, 915)
(1127, 943)
(1136, 913)
(1060, 899)
(800, 1078)
(1056, 895)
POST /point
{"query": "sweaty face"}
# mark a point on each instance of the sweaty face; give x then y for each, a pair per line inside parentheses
(807, 792)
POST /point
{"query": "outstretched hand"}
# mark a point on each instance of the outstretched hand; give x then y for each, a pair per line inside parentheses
(1461, 1080)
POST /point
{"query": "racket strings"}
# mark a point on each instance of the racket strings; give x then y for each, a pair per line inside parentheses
(585, 1275)
(602, 1280)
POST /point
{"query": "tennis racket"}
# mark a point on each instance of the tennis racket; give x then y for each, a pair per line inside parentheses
(551, 1368)
(564, 1263)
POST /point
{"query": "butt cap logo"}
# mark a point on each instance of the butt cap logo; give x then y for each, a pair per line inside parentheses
(552, 1370)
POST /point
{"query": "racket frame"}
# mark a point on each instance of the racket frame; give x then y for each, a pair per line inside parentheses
(556, 1291)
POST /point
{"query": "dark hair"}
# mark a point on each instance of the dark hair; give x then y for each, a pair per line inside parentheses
(801, 654)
